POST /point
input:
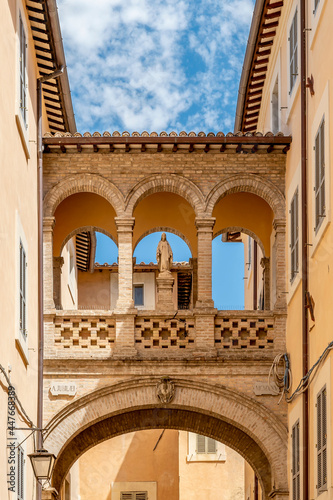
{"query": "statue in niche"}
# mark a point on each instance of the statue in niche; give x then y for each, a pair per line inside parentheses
(164, 255)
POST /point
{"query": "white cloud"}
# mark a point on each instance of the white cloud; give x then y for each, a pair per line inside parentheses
(154, 65)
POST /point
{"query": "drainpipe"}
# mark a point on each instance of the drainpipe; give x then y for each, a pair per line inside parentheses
(305, 271)
(40, 81)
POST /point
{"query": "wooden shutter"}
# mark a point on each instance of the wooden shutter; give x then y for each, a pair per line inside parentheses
(211, 445)
(294, 236)
(23, 264)
(293, 52)
(23, 83)
(134, 495)
(322, 440)
(20, 473)
(295, 462)
(201, 444)
(320, 175)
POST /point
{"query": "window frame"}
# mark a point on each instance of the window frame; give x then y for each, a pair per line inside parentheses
(321, 419)
(295, 469)
(294, 236)
(193, 456)
(319, 176)
(21, 335)
(293, 55)
(141, 286)
(22, 117)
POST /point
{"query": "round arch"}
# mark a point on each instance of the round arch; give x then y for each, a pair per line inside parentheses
(249, 183)
(89, 183)
(213, 410)
(242, 230)
(165, 183)
(164, 229)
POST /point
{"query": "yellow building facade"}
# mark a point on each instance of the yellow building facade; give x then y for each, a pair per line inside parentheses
(27, 52)
(286, 86)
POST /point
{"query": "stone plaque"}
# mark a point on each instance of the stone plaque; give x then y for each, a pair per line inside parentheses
(265, 389)
(63, 388)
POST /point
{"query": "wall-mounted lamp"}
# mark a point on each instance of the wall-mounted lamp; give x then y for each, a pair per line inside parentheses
(42, 464)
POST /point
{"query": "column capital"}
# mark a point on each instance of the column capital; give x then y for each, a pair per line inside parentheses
(48, 223)
(124, 224)
(205, 224)
(279, 225)
(264, 262)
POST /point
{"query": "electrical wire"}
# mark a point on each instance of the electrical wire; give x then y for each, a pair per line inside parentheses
(307, 379)
(17, 401)
(280, 382)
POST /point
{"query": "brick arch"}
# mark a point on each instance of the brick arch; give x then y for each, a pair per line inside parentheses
(252, 184)
(164, 229)
(90, 183)
(242, 230)
(213, 410)
(167, 183)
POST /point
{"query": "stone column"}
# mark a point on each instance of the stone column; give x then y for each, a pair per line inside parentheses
(125, 263)
(204, 236)
(48, 225)
(57, 265)
(125, 311)
(279, 226)
(50, 494)
(265, 264)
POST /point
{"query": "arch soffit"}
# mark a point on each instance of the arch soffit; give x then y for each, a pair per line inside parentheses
(164, 229)
(213, 400)
(161, 183)
(249, 183)
(83, 183)
(241, 230)
(87, 228)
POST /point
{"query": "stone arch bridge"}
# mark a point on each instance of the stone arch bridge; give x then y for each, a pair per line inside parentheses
(199, 186)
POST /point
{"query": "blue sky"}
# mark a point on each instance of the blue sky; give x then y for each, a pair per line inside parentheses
(228, 263)
(155, 64)
(158, 65)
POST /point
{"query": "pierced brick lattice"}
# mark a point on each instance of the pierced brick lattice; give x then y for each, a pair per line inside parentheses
(244, 333)
(85, 333)
(151, 333)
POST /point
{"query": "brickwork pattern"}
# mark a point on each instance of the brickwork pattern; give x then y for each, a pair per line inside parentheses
(84, 333)
(174, 334)
(240, 332)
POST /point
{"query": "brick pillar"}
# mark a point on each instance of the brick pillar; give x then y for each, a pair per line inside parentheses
(125, 311)
(265, 264)
(57, 265)
(125, 263)
(48, 224)
(204, 236)
(279, 226)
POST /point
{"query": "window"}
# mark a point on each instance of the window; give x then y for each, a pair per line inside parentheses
(294, 236)
(295, 462)
(20, 473)
(205, 444)
(249, 252)
(275, 107)
(321, 440)
(293, 53)
(138, 295)
(320, 176)
(134, 495)
(23, 298)
(23, 70)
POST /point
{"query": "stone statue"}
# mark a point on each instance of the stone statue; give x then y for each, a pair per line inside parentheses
(164, 255)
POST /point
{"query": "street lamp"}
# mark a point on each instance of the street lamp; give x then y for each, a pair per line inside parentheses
(42, 464)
